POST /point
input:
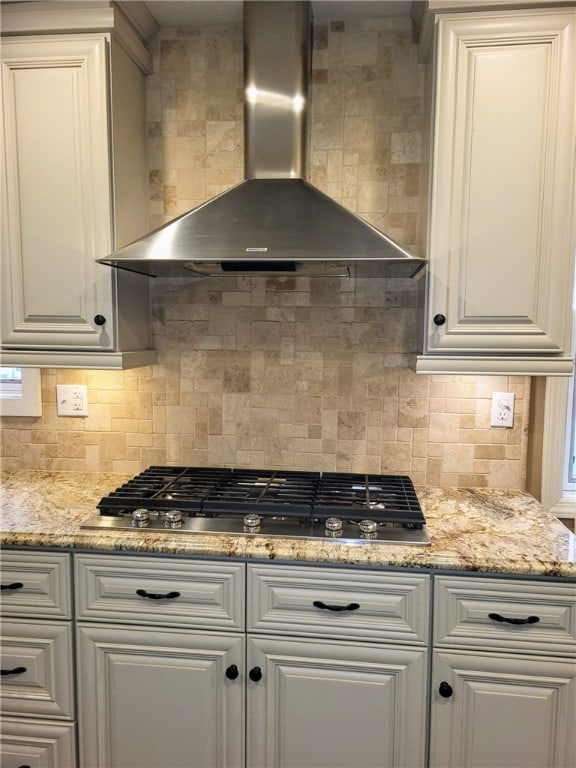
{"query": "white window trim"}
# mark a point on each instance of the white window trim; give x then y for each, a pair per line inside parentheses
(30, 401)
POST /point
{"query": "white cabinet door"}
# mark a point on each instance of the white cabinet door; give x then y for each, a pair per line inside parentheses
(502, 711)
(151, 697)
(501, 240)
(316, 704)
(58, 207)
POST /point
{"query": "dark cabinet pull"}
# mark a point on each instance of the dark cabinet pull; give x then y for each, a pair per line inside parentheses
(15, 671)
(439, 319)
(445, 689)
(15, 585)
(507, 620)
(255, 674)
(232, 672)
(24, 766)
(99, 319)
(156, 596)
(326, 607)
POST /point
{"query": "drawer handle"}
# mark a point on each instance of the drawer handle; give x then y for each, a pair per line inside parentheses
(156, 596)
(507, 620)
(326, 607)
(15, 671)
(15, 585)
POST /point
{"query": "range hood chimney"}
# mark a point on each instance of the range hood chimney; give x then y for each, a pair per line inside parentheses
(274, 222)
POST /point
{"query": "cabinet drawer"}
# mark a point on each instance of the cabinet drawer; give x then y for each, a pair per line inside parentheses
(36, 584)
(505, 614)
(147, 590)
(37, 743)
(37, 675)
(341, 604)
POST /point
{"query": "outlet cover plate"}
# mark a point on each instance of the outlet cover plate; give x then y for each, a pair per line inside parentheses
(72, 400)
(502, 409)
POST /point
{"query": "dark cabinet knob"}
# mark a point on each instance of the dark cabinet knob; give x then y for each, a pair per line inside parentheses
(99, 319)
(232, 672)
(255, 674)
(445, 689)
(439, 319)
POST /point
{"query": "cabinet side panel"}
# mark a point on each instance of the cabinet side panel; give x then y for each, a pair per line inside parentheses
(130, 194)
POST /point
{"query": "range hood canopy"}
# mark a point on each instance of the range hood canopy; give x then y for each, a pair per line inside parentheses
(274, 222)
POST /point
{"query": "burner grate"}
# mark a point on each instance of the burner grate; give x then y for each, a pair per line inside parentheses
(386, 498)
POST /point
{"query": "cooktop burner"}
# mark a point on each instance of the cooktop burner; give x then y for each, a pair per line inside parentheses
(382, 508)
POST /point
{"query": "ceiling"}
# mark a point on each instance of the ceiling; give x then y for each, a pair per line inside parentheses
(181, 13)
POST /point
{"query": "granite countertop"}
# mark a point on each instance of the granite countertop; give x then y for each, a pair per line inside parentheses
(475, 530)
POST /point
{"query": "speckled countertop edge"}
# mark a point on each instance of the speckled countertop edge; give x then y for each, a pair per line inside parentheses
(472, 530)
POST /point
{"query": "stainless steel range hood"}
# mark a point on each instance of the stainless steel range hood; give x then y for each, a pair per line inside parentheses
(274, 222)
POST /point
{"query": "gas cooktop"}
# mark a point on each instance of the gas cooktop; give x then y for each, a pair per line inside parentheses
(260, 502)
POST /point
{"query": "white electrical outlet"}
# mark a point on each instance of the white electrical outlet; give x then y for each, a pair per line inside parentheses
(71, 400)
(502, 409)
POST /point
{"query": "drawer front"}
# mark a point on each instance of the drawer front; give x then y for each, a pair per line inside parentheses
(148, 590)
(37, 743)
(36, 584)
(364, 605)
(505, 614)
(37, 674)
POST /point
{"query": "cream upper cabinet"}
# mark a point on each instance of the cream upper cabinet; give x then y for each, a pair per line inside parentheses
(501, 205)
(73, 188)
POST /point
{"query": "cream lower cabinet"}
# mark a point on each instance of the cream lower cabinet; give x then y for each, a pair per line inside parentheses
(337, 668)
(319, 704)
(74, 186)
(161, 659)
(152, 697)
(504, 674)
(37, 700)
(329, 670)
(501, 200)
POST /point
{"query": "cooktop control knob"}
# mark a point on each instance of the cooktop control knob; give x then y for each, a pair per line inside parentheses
(141, 518)
(368, 529)
(173, 519)
(333, 527)
(252, 522)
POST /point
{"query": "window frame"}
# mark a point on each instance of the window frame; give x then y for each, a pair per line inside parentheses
(29, 403)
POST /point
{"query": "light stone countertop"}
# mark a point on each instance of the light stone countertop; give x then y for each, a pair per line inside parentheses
(474, 530)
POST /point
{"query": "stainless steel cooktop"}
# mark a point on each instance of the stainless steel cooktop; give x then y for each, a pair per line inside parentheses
(310, 505)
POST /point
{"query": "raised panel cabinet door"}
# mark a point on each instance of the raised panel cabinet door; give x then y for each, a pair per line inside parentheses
(37, 744)
(316, 704)
(151, 697)
(501, 220)
(502, 711)
(56, 211)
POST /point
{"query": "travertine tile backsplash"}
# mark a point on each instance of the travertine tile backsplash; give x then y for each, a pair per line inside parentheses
(285, 372)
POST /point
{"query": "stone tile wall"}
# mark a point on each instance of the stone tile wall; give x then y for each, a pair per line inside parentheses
(285, 372)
